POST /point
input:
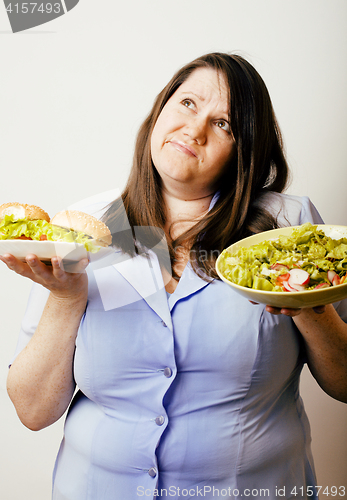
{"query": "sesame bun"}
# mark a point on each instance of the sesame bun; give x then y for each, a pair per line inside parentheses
(80, 221)
(23, 211)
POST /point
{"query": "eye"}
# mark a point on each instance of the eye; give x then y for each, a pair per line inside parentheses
(188, 103)
(224, 125)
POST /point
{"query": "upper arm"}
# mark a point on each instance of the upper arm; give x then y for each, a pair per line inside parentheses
(35, 306)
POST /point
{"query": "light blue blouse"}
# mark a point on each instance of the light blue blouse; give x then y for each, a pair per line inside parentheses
(194, 395)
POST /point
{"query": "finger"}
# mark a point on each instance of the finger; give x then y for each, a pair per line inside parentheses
(60, 267)
(78, 267)
(6, 259)
(36, 266)
(83, 264)
(14, 264)
(273, 310)
(291, 312)
(3, 258)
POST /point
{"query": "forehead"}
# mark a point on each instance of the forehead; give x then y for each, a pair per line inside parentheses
(208, 85)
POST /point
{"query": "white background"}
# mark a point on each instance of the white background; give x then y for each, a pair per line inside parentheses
(73, 93)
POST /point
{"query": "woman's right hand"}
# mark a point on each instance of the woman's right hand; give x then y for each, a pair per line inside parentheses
(71, 284)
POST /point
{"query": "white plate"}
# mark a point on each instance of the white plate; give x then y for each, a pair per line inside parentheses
(309, 298)
(45, 250)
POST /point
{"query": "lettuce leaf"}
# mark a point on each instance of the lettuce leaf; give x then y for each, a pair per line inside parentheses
(12, 229)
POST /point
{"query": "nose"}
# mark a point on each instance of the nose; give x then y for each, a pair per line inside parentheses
(196, 129)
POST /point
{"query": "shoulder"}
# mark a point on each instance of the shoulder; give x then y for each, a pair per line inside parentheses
(290, 210)
(96, 205)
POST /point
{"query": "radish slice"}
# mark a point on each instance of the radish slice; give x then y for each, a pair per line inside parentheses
(298, 277)
(322, 285)
(291, 287)
(279, 267)
(287, 287)
(331, 276)
(336, 280)
(296, 286)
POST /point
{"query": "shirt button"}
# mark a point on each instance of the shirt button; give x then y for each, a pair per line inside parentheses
(160, 420)
(163, 323)
(167, 372)
(152, 472)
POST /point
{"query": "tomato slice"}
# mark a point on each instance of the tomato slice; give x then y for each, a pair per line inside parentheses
(283, 277)
(43, 237)
(24, 238)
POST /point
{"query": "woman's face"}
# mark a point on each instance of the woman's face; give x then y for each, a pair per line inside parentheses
(192, 142)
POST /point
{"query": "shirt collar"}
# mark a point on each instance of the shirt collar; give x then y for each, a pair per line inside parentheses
(214, 200)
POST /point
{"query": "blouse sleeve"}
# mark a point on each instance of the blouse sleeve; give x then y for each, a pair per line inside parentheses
(290, 210)
(36, 304)
(309, 213)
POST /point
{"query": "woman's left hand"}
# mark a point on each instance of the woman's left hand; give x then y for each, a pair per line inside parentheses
(292, 312)
(286, 311)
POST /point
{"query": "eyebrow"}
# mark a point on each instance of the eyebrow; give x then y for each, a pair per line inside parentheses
(196, 95)
(201, 98)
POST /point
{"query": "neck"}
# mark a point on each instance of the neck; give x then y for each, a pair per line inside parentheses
(183, 213)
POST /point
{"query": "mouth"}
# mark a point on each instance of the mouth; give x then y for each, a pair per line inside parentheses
(184, 148)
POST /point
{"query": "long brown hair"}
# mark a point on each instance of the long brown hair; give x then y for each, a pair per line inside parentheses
(259, 165)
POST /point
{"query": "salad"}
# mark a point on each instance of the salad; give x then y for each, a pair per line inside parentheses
(305, 260)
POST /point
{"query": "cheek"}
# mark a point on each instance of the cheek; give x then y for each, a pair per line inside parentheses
(158, 135)
(156, 147)
(166, 125)
(224, 153)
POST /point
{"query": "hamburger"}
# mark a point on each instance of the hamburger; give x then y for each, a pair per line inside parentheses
(30, 222)
(80, 227)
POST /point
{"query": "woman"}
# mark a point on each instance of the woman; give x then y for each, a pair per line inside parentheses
(185, 388)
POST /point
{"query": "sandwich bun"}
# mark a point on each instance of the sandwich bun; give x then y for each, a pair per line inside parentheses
(23, 211)
(85, 223)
